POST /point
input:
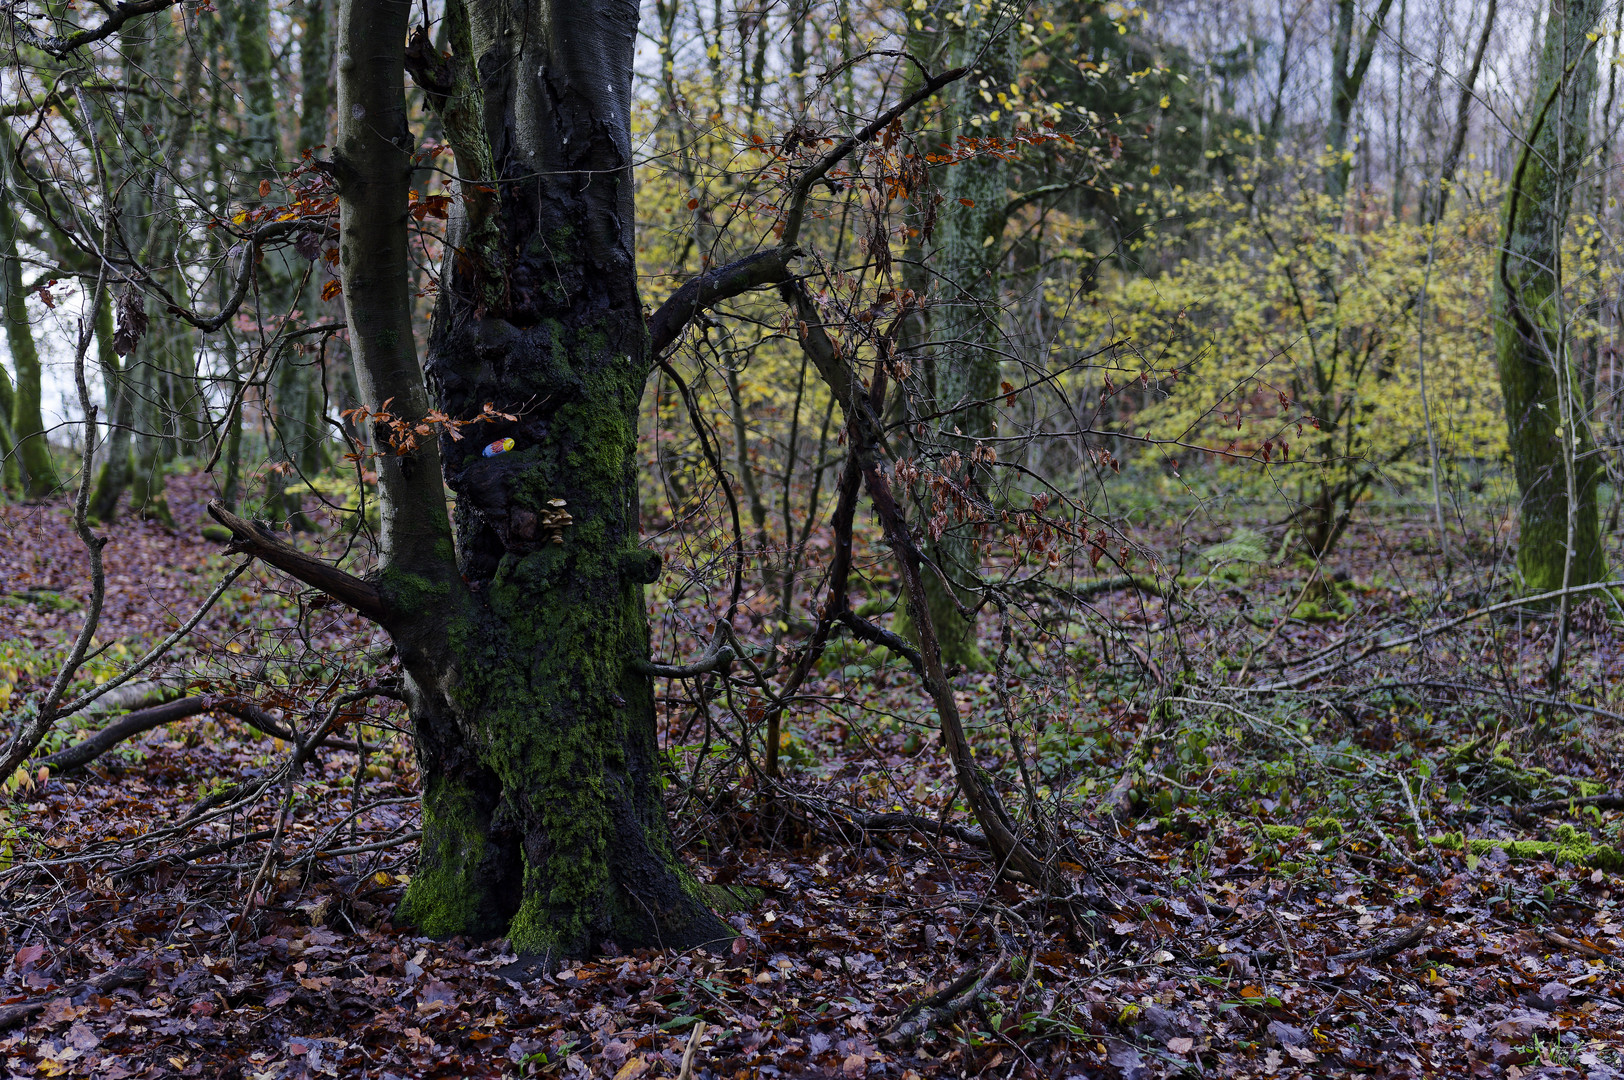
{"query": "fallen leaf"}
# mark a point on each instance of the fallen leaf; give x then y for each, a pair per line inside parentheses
(81, 1038)
(632, 1069)
(1128, 1062)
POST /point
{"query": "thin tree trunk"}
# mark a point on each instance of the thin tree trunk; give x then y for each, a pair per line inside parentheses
(117, 469)
(1347, 79)
(969, 332)
(1433, 210)
(31, 448)
(11, 475)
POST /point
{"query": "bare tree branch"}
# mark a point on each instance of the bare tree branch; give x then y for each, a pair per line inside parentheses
(119, 15)
(820, 169)
(249, 538)
(712, 287)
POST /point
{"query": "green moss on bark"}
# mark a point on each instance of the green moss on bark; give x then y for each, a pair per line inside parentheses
(1545, 398)
(447, 895)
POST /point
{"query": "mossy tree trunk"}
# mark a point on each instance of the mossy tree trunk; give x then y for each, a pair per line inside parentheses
(11, 476)
(1546, 399)
(967, 324)
(27, 426)
(521, 625)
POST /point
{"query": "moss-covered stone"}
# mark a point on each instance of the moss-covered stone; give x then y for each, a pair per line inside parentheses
(1324, 826)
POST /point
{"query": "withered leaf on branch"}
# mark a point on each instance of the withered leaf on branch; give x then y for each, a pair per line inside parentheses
(132, 321)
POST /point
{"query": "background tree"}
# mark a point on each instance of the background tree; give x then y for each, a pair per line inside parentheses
(1547, 400)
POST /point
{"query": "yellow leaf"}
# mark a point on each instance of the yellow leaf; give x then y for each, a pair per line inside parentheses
(632, 1069)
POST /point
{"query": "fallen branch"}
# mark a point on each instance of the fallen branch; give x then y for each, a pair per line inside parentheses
(1614, 801)
(1298, 681)
(132, 724)
(1383, 949)
(1579, 947)
(251, 538)
(193, 855)
(1497, 691)
(12, 1015)
(886, 822)
(942, 1006)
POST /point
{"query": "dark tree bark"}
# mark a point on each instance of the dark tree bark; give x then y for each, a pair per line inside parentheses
(520, 620)
(522, 636)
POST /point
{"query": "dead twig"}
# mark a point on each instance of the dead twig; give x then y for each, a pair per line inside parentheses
(693, 1046)
(1579, 947)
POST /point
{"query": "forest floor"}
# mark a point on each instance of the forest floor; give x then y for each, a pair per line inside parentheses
(1406, 867)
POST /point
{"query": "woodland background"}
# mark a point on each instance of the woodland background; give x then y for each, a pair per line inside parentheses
(1251, 619)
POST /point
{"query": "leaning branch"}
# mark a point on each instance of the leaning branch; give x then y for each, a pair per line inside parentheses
(714, 286)
(878, 635)
(250, 538)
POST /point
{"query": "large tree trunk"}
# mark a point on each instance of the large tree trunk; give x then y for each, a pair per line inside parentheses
(542, 816)
(1546, 400)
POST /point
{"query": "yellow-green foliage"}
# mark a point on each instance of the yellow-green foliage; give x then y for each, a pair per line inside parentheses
(1282, 832)
(1281, 301)
(1570, 846)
